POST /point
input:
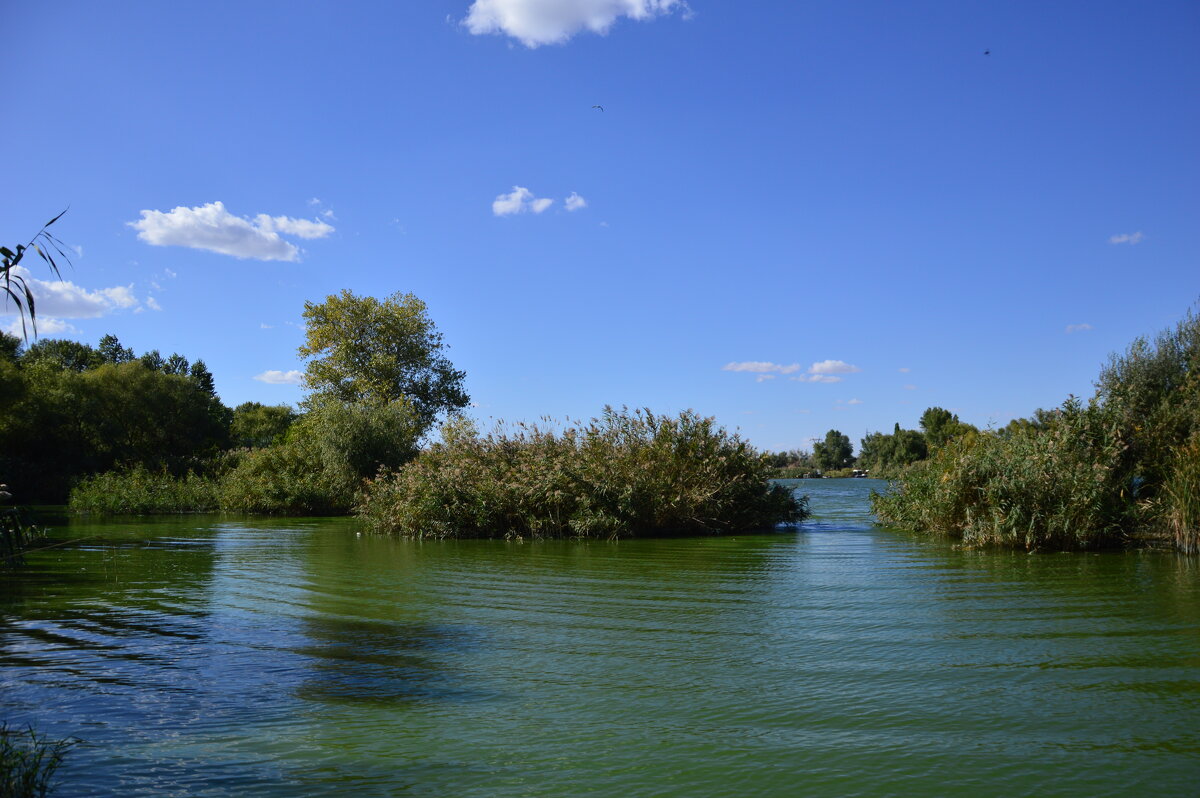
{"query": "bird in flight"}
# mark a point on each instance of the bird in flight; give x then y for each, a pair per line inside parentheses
(601, 107)
(987, 52)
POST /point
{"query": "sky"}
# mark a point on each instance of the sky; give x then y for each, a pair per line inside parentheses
(790, 216)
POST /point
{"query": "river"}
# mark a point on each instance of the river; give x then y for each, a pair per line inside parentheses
(209, 655)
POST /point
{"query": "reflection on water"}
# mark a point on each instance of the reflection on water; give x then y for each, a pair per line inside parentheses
(209, 656)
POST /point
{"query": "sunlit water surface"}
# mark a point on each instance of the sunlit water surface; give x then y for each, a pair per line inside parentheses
(223, 656)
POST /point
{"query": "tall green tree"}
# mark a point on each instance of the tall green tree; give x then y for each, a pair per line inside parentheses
(361, 349)
(833, 452)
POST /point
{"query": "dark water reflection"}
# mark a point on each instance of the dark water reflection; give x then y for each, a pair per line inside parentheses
(210, 656)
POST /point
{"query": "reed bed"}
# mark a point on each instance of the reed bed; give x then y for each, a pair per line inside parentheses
(139, 491)
(28, 762)
(623, 474)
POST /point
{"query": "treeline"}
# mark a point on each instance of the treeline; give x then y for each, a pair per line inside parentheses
(1122, 467)
(128, 434)
(880, 455)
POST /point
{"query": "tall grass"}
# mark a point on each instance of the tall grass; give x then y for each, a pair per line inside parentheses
(1181, 498)
(138, 491)
(1123, 467)
(1059, 489)
(28, 762)
(624, 474)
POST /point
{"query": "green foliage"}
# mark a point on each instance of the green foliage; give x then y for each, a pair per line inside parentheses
(138, 491)
(28, 762)
(14, 285)
(256, 425)
(1059, 489)
(16, 533)
(362, 349)
(111, 351)
(621, 475)
(886, 455)
(58, 353)
(60, 423)
(320, 466)
(834, 452)
(1124, 467)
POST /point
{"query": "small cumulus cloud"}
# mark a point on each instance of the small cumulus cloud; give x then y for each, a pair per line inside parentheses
(1127, 238)
(45, 326)
(764, 377)
(761, 367)
(910, 387)
(575, 202)
(904, 370)
(152, 303)
(520, 200)
(213, 228)
(1074, 328)
(855, 402)
(538, 22)
(63, 299)
(273, 377)
(833, 367)
(262, 325)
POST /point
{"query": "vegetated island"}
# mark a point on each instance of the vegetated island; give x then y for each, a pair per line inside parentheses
(115, 433)
(1122, 468)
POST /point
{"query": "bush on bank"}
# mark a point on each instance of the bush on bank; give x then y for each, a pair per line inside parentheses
(1124, 467)
(624, 474)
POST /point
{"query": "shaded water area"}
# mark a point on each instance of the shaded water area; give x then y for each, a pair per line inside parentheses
(225, 656)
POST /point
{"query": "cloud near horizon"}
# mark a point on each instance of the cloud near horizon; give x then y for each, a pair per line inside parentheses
(63, 299)
(1074, 328)
(1127, 238)
(825, 371)
(273, 377)
(211, 227)
(538, 22)
(520, 200)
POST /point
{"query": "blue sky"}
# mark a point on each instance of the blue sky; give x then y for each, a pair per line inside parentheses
(791, 216)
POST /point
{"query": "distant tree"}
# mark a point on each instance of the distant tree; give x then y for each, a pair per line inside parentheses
(61, 353)
(203, 377)
(834, 452)
(111, 351)
(257, 425)
(10, 347)
(176, 364)
(363, 350)
(153, 360)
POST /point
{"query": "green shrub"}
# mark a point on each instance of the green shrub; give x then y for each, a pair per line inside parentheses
(1061, 488)
(28, 762)
(320, 466)
(138, 491)
(621, 475)
(1181, 497)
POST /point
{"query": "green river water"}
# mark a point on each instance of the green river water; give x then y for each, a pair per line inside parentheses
(211, 655)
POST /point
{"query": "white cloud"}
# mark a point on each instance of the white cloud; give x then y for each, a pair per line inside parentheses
(764, 377)
(45, 326)
(1127, 238)
(1074, 328)
(170, 273)
(152, 303)
(538, 22)
(65, 300)
(211, 227)
(910, 387)
(521, 200)
(575, 202)
(273, 377)
(815, 378)
(761, 367)
(833, 367)
(904, 370)
(262, 325)
(855, 402)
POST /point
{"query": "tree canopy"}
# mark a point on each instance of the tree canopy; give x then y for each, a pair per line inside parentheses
(834, 452)
(365, 350)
